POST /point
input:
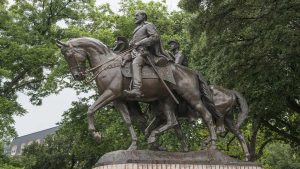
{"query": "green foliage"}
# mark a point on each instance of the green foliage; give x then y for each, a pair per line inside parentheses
(72, 146)
(6, 162)
(28, 52)
(281, 156)
(252, 46)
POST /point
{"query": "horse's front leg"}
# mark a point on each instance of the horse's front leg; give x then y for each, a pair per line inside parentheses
(103, 100)
(123, 108)
(167, 106)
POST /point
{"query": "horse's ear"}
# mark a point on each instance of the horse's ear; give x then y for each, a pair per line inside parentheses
(61, 44)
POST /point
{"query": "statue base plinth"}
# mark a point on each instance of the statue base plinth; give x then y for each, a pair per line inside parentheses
(146, 159)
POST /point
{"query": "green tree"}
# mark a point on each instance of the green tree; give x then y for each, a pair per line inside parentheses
(28, 52)
(72, 146)
(252, 46)
(6, 162)
(281, 156)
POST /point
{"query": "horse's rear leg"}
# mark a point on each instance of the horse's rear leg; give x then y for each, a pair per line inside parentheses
(122, 107)
(157, 120)
(168, 108)
(228, 120)
(207, 118)
(137, 115)
(103, 100)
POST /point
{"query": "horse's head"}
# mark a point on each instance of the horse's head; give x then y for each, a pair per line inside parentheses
(75, 58)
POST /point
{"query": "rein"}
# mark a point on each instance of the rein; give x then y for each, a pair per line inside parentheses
(108, 66)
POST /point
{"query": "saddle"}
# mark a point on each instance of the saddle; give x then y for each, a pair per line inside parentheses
(165, 72)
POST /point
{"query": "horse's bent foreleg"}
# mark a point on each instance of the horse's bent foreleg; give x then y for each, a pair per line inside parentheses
(104, 99)
(153, 124)
(157, 121)
(168, 108)
(236, 131)
(122, 107)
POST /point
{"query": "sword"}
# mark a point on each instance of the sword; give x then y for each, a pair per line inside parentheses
(163, 82)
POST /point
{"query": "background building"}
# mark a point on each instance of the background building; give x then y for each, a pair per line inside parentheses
(18, 144)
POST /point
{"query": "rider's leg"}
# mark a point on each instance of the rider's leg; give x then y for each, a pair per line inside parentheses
(137, 65)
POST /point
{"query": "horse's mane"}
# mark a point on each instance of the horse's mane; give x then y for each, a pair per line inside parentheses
(85, 42)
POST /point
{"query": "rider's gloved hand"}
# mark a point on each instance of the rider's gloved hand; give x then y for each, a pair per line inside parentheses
(126, 58)
(137, 44)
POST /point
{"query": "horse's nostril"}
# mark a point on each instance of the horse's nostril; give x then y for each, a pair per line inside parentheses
(76, 76)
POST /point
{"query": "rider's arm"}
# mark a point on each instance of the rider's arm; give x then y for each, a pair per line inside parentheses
(179, 58)
(152, 38)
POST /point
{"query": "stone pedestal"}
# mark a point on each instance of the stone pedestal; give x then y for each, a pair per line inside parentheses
(145, 159)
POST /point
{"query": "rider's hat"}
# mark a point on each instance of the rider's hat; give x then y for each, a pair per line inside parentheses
(122, 38)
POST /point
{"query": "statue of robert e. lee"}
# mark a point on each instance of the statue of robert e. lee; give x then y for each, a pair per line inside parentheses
(146, 43)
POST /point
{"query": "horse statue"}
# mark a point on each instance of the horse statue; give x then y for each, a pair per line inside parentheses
(226, 101)
(229, 102)
(108, 75)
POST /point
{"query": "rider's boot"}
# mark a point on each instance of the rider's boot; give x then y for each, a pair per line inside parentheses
(137, 82)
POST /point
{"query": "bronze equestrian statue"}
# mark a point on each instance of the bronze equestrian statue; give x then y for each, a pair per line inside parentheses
(228, 102)
(146, 42)
(107, 70)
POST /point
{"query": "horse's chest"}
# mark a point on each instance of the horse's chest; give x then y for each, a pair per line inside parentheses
(109, 78)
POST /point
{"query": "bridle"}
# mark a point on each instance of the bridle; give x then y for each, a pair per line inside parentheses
(78, 66)
(82, 72)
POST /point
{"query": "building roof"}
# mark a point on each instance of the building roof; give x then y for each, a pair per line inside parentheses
(34, 136)
(27, 139)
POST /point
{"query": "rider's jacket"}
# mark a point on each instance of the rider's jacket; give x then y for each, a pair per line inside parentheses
(181, 59)
(148, 37)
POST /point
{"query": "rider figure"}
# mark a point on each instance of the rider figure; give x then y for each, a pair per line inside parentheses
(177, 53)
(181, 59)
(146, 42)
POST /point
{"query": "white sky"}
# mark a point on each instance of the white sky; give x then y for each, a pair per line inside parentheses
(49, 113)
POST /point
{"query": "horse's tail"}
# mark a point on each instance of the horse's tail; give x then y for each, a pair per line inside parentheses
(244, 109)
(207, 97)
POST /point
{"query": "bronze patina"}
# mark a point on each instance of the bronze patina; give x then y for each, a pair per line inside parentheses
(107, 70)
(179, 57)
(146, 43)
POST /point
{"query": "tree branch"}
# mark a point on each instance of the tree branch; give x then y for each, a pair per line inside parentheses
(284, 134)
(262, 147)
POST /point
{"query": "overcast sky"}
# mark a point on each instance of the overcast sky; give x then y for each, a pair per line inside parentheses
(49, 113)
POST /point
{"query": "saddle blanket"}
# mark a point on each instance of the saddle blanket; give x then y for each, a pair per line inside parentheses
(165, 72)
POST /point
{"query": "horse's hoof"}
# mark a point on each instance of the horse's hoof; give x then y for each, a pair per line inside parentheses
(151, 139)
(155, 147)
(247, 158)
(97, 137)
